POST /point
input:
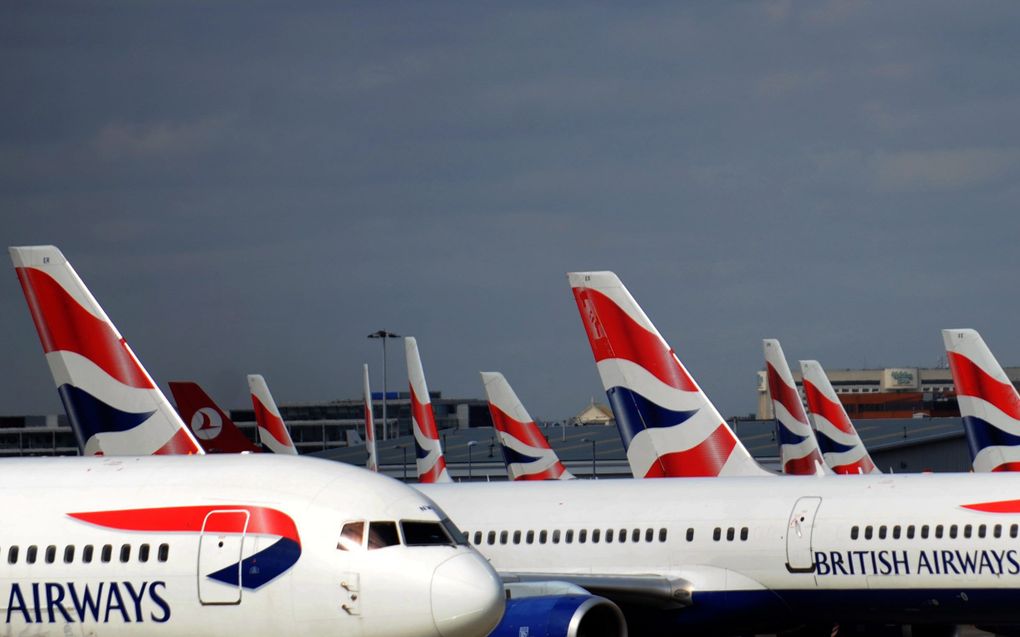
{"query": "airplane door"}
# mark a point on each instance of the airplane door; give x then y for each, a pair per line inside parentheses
(799, 558)
(219, 556)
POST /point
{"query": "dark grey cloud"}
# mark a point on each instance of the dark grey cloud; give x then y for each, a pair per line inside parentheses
(254, 187)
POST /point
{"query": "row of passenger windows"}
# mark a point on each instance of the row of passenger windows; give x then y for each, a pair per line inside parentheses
(569, 536)
(380, 534)
(88, 553)
(731, 534)
(925, 531)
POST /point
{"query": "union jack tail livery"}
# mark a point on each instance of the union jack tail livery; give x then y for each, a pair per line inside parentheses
(988, 401)
(526, 452)
(213, 428)
(798, 448)
(431, 461)
(373, 463)
(113, 404)
(841, 447)
(668, 425)
(272, 431)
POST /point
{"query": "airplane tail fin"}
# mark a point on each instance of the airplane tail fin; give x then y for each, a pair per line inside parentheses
(429, 451)
(841, 446)
(114, 406)
(373, 463)
(272, 431)
(668, 425)
(798, 448)
(213, 428)
(988, 402)
(526, 452)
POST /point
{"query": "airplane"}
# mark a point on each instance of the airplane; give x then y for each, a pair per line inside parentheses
(526, 452)
(272, 431)
(210, 425)
(113, 405)
(373, 463)
(798, 448)
(740, 554)
(989, 402)
(841, 446)
(429, 451)
(668, 425)
(231, 544)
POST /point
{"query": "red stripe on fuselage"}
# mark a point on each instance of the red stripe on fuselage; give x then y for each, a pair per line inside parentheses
(189, 519)
(65, 326)
(612, 333)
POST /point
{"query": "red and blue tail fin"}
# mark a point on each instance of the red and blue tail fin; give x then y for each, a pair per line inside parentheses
(113, 404)
(526, 452)
(429, 451)
(273, 432)
(372, 464)
(988, 402)
(798, 448)
(841, 447)
(668, 425)
(213, 428)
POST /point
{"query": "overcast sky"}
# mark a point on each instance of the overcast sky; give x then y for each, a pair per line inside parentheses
(254, 187)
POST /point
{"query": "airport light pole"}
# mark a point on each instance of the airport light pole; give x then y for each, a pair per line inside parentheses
(594, 472)
(403, 450)
(470, 445)
(384, 336)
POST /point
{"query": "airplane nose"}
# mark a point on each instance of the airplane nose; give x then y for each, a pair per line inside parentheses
(467, 597)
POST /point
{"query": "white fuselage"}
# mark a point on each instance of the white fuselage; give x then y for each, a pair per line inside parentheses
(756, 545)
(222, 545)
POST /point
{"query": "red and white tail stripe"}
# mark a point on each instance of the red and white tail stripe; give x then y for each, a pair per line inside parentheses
(841, 447)
(431, 461)
(373, 463)
(114, 406)
(527, 453)
(272, 431)
(798, 448)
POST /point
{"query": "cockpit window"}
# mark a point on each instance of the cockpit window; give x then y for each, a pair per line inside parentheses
(382, 534)
(351, 536)
(457, 535)
(424, 533)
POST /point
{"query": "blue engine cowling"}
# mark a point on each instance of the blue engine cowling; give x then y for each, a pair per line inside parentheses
(561, 616)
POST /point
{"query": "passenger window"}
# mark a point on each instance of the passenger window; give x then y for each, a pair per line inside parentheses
(491, 538)
(31, 554)
(556, 536)
(717, 534)
(981, 530)
(743, 534)
(966, 530)
(502, 537)
(649, 535)
(635, 535)
(12, 555)
(622, 536)
(382, 535)
(596, 535)
(106, 554)
(924, 532)
(1013, 530)
(51, 554)
(68, 553)
(542, 537)
(997, 530)
(609, 536)
(730, 534)
(86, 554)
(478, 537)
(569, 536)
(530, 537)
(690, 535)
(855, 531)
(582, 536)
(352, 536)
(896, 532)
(423, 533)
(938, 531)
(517, 537)
(952, 531)
(910, 532)
(867, 532)
(125, 553)
(143, 553)
(881, 532)
(164, 552)
(662, 535)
